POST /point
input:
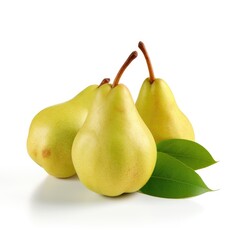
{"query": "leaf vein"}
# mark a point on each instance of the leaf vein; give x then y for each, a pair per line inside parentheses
(179, 181)
(179, 155)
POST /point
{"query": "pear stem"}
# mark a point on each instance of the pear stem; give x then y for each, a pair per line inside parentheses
(104, 81)
(131, 57)
(149, 64)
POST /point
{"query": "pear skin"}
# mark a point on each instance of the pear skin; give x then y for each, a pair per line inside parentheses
(114, 152)
(53, 130)
(157, 107)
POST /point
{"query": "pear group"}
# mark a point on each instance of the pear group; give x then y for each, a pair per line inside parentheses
(104, 137)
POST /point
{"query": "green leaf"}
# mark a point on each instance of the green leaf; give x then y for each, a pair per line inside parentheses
(190, 153)
(173, 179)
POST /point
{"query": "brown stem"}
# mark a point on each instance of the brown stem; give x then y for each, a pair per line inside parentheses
(104, 81)
(149, 64)
(131, 57)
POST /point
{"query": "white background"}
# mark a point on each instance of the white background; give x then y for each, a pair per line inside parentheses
(51, 50)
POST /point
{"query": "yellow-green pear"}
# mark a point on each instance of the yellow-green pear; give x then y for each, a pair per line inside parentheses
(114, 152)
(53, 129)
(159, 110)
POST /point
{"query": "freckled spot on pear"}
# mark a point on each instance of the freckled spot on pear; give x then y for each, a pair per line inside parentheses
(46, 153)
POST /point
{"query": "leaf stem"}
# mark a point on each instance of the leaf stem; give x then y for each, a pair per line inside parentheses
(131, 57)
(149, 64)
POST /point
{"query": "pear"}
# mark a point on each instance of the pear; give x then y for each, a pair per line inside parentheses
(159, 110)
(114, 152)
(53, 129)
